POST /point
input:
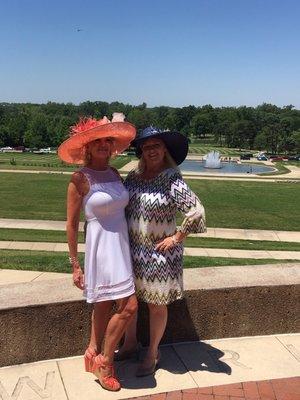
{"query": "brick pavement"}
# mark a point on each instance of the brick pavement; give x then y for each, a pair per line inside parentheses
(274, 389)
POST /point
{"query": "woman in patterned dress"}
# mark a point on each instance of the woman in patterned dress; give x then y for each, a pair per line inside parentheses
(97, 189)
(156, 192)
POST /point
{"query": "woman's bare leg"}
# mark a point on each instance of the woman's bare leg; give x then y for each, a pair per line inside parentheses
(127, 307)
(130, 339)
(100, 318)
(158, 320)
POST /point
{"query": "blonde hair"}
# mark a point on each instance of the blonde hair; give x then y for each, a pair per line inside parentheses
(168, 160)
(86, 156)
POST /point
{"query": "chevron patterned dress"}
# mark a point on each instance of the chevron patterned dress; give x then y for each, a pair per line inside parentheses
(151, 216)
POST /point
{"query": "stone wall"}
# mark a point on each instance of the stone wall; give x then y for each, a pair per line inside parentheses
(45, 320)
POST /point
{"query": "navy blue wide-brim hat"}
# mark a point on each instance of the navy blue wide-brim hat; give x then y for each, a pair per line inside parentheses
(176, 143)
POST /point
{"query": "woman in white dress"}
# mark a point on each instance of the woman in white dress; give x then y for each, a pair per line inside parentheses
(98, 190)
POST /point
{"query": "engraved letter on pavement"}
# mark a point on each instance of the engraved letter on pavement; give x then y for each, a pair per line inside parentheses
(45, 393)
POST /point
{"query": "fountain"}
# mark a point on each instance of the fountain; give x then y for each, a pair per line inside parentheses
(213, 160)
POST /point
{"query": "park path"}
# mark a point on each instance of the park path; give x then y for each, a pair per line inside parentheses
(292, 176)
(224, 233)
(188, 251)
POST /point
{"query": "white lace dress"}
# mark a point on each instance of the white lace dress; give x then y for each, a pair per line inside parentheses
(107, 265)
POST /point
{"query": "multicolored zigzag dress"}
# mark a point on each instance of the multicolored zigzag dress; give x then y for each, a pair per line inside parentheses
(151, 216)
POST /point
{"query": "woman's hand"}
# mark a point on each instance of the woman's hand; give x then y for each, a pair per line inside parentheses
(165, 244)
(78, 277)
(170, 241)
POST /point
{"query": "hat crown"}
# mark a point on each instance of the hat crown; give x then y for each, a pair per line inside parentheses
(150, 131)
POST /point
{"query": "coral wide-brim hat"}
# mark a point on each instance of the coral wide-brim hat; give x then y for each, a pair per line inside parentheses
(72, 150)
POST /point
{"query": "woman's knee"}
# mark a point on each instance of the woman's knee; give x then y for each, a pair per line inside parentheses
(128, 308)
(157, 309)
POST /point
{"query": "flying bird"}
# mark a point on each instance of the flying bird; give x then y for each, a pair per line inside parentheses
(79, 30)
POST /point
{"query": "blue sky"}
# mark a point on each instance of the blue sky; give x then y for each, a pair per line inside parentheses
(162, 52)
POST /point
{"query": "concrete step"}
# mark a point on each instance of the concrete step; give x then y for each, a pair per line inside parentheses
(44, 319)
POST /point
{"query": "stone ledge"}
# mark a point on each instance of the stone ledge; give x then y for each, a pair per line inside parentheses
(49, 319)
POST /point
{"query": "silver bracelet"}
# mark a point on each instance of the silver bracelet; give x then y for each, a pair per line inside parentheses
(174, 240)
(73, 260)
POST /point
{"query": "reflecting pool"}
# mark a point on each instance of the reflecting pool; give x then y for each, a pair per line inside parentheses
(226, 168)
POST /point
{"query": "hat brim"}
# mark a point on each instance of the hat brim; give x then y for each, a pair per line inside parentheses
(72, 150)
(176, 144)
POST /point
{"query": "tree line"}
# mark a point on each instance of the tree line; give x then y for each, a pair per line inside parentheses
(265, 127)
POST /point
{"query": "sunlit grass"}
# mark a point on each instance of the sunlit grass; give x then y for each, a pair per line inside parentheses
(228, 204)
(58, 262)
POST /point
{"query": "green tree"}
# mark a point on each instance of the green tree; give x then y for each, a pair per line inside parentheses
(16, 127)
(272, 134)
(36, 134)
(295, 136)
(260, 141)
(201, 125)
(3, 135)
(140, 118)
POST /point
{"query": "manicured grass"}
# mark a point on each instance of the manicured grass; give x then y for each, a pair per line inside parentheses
(33, 196)
(42, 162)
(58, 262)
(201, 149)
(35, 235)
(44, 261)
(120, 161)
(228, 204)
(216, 243)
(250, 205)
(293, 163)
(282, 169)
(202, 262)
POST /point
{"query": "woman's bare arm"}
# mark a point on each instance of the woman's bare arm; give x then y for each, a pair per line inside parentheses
(76, 191)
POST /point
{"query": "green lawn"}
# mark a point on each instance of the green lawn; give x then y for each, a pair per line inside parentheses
(201, 262)
(33, 196)
(58, 262)
(250, 205)
(42, 162)
(229, 204)
(282, 169)
(215, 243)
(201, 149)
(293, 163)
(36, 235)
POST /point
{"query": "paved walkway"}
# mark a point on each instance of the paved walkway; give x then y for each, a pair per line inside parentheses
(292, 176)
(188, 251)
(225, 233)
(194, 278)
(13, 276)
(279, 179)
(272, 389)
(267, 366)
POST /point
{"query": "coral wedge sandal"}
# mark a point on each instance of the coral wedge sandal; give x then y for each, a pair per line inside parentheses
(89, 356)
(94, 364)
